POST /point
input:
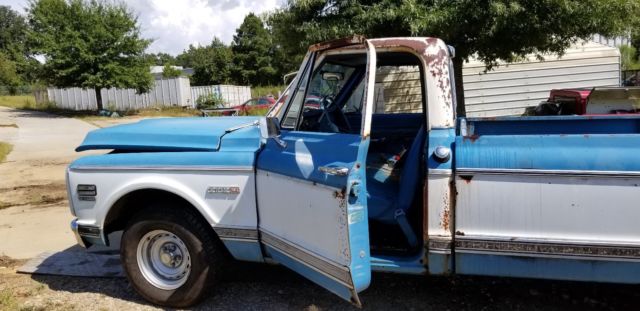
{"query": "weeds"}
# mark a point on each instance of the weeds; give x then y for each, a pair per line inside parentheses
(5, 149)
(258, 91)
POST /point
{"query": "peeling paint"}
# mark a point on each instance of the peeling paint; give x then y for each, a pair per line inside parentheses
(444, 218)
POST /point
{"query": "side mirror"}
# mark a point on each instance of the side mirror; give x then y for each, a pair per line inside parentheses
(270, 129)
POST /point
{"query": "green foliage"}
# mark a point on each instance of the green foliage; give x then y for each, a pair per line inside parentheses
(160, 59)
(211, 63)
(8, 75)
(90, 44)
(169, 72)
(259, 91)
(253, 53)
(629, 58)
(491, 30)
(210, 101)
(13, 46)
(495, 29)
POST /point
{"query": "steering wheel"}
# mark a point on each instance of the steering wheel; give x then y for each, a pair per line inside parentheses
(334, 114)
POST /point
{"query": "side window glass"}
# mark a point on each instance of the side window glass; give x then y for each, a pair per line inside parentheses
(354, 103)
(291, 116)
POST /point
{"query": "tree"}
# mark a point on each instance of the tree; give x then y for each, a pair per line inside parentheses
(629, 58)
(160, 59)
(490, 30)
(252, 53)
(8, 75)
(211, 64)
(13, 31)
(169, 72)
(89, 44)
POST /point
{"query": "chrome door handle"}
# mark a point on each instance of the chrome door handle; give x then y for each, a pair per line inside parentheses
(334, 170)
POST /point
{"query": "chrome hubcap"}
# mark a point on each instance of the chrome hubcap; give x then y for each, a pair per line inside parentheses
(163, 259)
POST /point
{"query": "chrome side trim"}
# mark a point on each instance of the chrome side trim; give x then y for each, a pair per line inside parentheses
(163, 168)
(546, 248)
(74, 229)
(236, 233)
(316, 262)
(441, 245)
(440, 172)
(540, 172)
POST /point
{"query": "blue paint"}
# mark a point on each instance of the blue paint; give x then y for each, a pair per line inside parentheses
(549, 268)
(551, 152)
(310, 273)
(164, 159)
(360, 265)
(440, 264)
(174, 134)
(403, 265)
(440, 137)
(245, 250)
(306, 152)
(612, 124)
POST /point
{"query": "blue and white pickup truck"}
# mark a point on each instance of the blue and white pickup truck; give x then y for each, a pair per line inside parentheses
(337, 187)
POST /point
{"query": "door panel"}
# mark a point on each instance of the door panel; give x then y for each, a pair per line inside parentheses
(312, 203)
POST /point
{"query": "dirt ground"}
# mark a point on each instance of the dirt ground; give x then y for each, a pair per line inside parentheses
(34, 217)
(262, 287)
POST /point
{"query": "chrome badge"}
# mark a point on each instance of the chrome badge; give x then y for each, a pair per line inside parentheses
(223, 189)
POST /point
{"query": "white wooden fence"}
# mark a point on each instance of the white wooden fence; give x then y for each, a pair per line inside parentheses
(165, 92)
(232, 94)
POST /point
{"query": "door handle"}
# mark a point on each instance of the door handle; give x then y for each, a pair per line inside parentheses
(334, 170)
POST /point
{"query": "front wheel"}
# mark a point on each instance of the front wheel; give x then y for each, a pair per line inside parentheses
(171, 256)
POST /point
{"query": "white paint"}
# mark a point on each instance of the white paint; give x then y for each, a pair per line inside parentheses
(307, 215)
(595, 209)
(439, 206)
(228, 210)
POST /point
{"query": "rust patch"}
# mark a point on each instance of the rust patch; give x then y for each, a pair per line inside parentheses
(437, 63)
(444, 219)
(353, 40)
(467, 178)
(340, 194)
(471, 138)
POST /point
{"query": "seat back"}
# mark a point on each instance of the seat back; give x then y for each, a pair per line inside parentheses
(410, 172)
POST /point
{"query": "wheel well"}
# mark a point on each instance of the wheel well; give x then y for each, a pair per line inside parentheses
(131, 203)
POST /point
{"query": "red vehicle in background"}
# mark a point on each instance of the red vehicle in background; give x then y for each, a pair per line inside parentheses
(251, 106)
(591, 101)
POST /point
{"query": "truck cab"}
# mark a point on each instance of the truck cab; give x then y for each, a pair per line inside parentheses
(363, 167)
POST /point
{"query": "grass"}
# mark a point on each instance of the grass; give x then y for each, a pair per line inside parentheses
(28, 102)
(258, 91)
(5, 149)
(7, 300)
(19, 101)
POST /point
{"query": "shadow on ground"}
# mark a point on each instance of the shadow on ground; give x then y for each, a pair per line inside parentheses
(264, 287)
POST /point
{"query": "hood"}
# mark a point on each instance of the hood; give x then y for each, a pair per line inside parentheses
(172, 134)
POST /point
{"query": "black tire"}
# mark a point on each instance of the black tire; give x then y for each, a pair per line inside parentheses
(206, 252)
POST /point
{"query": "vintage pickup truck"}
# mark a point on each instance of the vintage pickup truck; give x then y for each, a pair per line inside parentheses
(359, 184)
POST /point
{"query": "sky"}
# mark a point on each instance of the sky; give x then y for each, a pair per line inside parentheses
(174, 24)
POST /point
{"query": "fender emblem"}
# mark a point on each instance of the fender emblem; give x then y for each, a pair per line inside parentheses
(223, 189)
